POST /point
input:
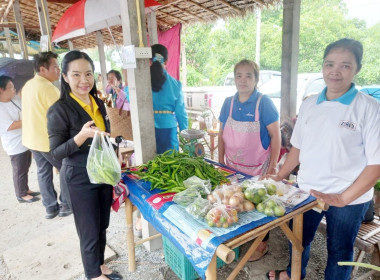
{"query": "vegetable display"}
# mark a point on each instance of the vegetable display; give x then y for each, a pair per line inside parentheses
(167, 171)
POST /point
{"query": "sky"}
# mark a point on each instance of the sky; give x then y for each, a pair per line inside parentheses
(368, 10)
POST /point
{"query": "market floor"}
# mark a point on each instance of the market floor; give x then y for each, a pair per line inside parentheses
(20, 223)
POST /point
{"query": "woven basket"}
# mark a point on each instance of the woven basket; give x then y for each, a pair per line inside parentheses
(120, 124)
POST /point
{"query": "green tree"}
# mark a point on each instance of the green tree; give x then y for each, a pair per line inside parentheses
(212, 52)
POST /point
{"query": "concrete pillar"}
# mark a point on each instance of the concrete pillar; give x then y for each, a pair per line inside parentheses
(20, 29)
(140, 93)
(9, 41)
(290, 48)
(102, 59)
(43, 17)
(258, 35)
(71, 45)
(152, 28)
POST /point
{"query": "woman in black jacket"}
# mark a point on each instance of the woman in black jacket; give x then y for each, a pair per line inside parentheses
(72, 122)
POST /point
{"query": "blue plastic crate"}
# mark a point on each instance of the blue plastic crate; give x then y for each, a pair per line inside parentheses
(181, 265)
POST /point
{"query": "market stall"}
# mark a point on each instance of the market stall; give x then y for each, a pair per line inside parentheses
(201, 240)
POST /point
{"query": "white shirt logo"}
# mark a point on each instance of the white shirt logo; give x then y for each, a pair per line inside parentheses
(348, 124)
(249, 115)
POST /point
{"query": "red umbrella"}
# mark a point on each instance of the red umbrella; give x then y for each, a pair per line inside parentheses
(87, 16)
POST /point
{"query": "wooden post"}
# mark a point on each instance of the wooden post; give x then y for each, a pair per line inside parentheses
(141, 104)
(43, 17)
(139, 81)
(211, 270)
(258, 35)
(247, 255)
(9, 40)
(71, 45)
(297, 255)
(102, 59)
(130, 235)
(20, 29)
(290, 48)
(152, 28)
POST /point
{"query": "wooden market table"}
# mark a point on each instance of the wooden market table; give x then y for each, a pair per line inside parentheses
(224, 251)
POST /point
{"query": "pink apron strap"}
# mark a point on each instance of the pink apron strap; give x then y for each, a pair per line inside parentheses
(257, 107)
(231, 106)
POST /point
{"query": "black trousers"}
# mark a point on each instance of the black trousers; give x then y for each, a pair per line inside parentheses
(20, 168)
(91, 205)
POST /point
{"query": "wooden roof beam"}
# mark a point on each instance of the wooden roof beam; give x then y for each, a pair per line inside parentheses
(236, 9)
(6, 12)
(188, 13)
(162, 22)
(203, 8)
(260, 2)
(57, 12)
(168, 3)
(169, 15)
(63, 1)
(14, 25)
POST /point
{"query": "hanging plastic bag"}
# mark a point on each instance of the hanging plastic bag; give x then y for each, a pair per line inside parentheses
(102, 164)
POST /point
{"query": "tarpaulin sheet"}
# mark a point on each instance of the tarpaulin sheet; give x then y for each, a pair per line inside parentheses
(194, 238)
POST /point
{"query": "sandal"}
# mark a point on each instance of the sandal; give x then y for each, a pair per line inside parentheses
(276, 274)
(258, 255)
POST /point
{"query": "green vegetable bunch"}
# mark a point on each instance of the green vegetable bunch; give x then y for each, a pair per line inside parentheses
(377, 186)
(167, 171)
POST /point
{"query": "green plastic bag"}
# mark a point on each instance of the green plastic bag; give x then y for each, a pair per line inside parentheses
(102, 164)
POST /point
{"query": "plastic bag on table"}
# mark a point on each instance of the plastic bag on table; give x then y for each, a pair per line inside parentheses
(249, 183)
(199, 208)
(272, 206)
(255, 192)
(294, 197)
(186, 197)
(204, 186)
(231, 195)
(222, 216)
(102, 164)
(276, 187)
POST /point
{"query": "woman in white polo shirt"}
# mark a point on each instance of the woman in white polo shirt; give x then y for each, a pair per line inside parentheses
(10, 134)
(336, 141)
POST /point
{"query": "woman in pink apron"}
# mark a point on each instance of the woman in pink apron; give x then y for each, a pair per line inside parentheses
(249, 137)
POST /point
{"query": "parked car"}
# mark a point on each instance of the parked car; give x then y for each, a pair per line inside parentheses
(373, 91)
(308, 84)
(198, 99)
(265, 75)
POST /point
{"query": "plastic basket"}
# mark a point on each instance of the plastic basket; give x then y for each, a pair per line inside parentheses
(181, 265)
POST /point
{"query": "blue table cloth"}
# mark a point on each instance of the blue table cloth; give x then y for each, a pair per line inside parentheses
(194, 238)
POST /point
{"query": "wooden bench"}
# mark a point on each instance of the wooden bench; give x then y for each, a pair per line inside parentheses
(367, 241)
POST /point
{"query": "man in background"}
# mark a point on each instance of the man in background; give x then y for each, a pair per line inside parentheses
(38, 95)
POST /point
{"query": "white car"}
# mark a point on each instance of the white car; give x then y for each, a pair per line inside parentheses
(264, 76)
(308, 84)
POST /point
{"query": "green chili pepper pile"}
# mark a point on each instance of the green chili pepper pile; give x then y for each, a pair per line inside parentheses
(167, 171)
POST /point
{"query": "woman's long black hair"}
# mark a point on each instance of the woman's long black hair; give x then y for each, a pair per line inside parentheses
(157, 75)
(69, 57)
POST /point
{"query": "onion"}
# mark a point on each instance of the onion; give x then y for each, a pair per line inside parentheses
(228, 192)
(234, 201)
(238, 189)
(219, 193)
(239, 194)
(211, 198)
(226, 201)
(248, 206)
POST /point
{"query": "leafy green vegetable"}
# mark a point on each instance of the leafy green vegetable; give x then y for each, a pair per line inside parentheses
(167, 171)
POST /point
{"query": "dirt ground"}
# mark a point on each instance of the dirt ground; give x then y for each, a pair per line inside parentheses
(22, 222)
